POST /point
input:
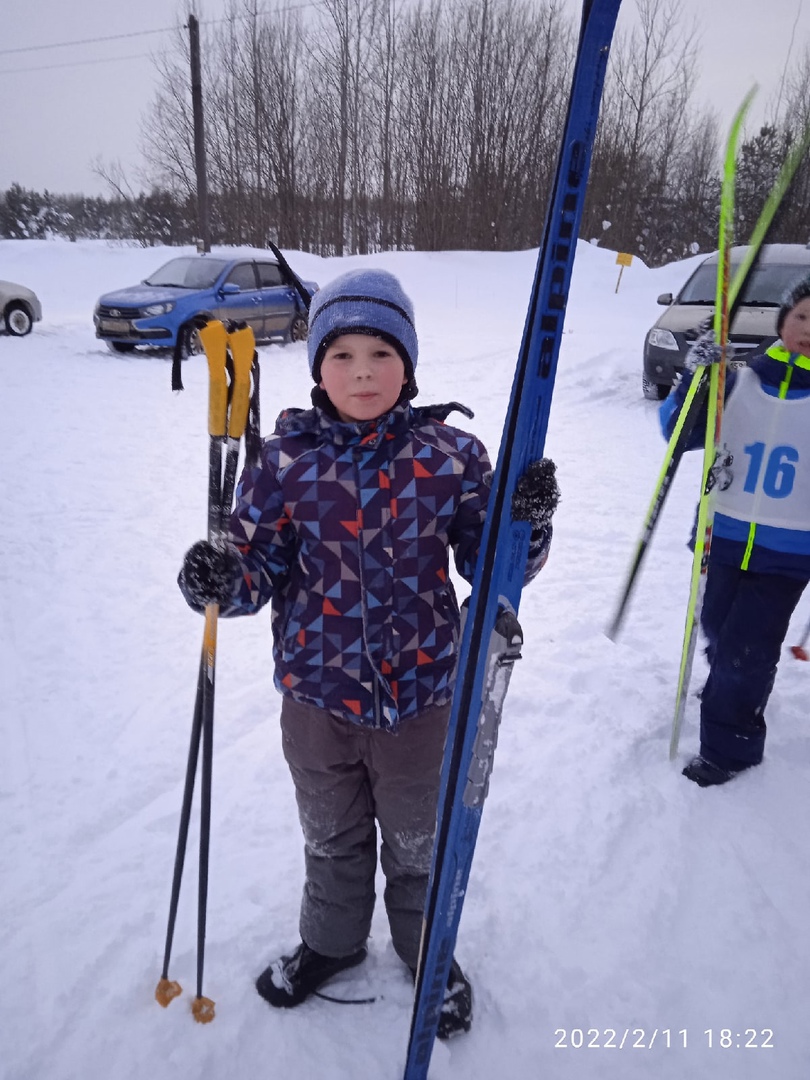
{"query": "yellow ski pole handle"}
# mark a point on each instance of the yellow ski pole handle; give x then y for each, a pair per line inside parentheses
(243, 347)
(214, 338)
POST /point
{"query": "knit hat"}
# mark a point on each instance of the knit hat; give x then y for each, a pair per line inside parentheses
(795, 296)
(362, 302)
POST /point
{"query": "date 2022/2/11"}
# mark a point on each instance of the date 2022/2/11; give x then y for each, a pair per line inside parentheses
(667, 1038)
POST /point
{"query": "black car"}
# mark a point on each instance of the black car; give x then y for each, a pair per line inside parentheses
(753, 326)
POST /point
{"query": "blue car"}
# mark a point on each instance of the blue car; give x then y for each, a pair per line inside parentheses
(171, 305)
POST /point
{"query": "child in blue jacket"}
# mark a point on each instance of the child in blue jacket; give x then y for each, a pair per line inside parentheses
(759, 561)
(345, 527)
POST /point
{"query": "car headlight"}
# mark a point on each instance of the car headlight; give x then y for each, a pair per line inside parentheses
(663, 339)
(158, 309)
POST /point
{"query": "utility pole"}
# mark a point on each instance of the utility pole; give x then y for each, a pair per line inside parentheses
(199, 134)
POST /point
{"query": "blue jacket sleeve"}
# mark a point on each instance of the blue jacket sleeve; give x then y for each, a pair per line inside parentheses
(671, 407)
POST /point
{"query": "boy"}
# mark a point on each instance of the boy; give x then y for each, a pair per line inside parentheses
(759, 562)
(345, 526)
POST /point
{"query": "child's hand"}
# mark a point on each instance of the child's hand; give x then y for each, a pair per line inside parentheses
(705, 351)
(536, 494)
(208, 574)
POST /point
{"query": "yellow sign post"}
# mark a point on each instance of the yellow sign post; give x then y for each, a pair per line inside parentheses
(623, 259)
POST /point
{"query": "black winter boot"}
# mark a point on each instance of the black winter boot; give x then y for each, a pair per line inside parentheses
(456, 1015)
(706, 774)
(291, 979)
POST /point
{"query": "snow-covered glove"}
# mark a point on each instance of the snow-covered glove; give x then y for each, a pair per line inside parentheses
(536, 494)
(705, 351)
(208, 575)
(721, 474)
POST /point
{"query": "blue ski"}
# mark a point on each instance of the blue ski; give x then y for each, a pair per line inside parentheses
(489, 650)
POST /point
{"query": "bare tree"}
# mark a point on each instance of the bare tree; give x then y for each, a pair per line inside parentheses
(339, 81)
(385, 61)
(643, 122)
(373, 124)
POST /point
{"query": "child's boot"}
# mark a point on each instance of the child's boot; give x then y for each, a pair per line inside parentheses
(291, 979)
(706, 774)
(456, 1014)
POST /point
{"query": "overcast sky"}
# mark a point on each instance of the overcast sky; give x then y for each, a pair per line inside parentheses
(65, 107)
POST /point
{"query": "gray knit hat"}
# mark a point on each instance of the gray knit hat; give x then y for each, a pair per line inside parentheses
(796, 295)
(362, 302)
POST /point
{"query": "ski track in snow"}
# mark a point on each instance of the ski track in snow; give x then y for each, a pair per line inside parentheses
(606, 893)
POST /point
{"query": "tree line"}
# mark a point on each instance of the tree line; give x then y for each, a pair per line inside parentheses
(372, 125)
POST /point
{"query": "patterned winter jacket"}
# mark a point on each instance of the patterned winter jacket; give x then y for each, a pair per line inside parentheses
(345, 528)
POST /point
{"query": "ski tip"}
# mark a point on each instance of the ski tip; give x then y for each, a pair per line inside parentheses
(746, 101)
(799, 652)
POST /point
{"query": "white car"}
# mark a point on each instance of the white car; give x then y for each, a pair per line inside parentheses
(19, 307)
(779, 268)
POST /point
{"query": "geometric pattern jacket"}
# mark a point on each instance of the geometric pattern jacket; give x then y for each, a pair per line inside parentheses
(346, 529)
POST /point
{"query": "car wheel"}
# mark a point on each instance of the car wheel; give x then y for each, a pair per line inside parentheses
(190, 339)
(298, 328)
(654, 391)
(120, 347)
(18, 319)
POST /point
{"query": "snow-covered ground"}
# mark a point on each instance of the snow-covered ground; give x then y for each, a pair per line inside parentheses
(607, 894)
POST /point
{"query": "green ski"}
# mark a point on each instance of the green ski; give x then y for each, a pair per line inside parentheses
(714, 421)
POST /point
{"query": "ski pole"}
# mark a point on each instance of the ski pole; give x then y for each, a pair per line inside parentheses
(214, 338)
(215, 343)
(799, 650)
(241, 342)
(168, 989)
(220, 494)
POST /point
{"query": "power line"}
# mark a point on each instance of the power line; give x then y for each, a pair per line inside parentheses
(87, 41)
(80, 63)
(142, 33)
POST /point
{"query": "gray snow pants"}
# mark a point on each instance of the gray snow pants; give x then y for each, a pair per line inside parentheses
(346, 776)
